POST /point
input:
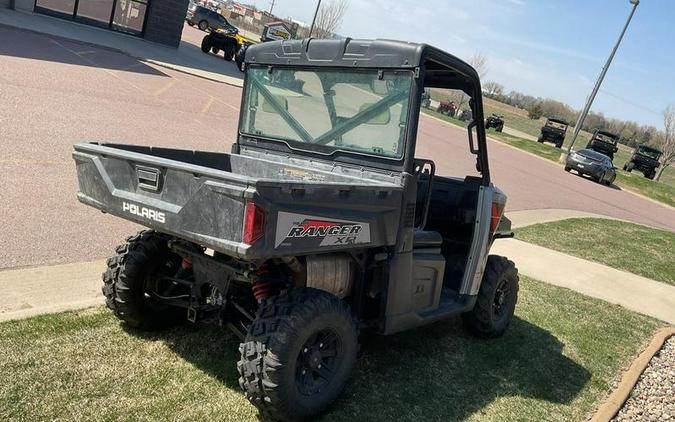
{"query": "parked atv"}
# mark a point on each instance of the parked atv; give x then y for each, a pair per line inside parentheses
(495, 121)
(321, 222)
(553, 131)
(448, 108)
(644, 159)
(604, 143)
(228, 41)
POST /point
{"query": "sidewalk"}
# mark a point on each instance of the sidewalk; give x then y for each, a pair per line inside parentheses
(631, 291)
(33, 291)
(187, 58)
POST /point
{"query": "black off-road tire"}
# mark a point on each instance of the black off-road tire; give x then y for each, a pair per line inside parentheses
(229, 52)
(540, 139)
(629, 167)
(499, 128)
(567, 168)
(650, 174)
(126, 280)
(484, 320)
(206, 44)
(203, 25)
(215, 50)
(276, 349)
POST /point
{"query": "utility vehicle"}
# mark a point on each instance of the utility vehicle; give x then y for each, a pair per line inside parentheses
(448, 108)
(645, 159)
(604, 142)
(553, 131)
(496, 122)
(321, 221)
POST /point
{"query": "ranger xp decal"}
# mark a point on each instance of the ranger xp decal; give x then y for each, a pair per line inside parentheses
(310, 231)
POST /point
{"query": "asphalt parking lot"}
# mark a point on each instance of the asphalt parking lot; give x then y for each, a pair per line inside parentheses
(54, 93)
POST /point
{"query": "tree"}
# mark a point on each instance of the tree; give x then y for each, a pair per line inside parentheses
(329, 18)
(667, 143)
(493, 88)
(479, 63)
(535, 112)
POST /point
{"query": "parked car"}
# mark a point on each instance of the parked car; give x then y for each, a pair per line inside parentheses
(604, 143)
(553, 131)
(597, 165)
(206, 20)
(496, 122)
(644, 159)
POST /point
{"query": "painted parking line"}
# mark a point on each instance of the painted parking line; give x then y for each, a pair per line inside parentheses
(166, 87)
(208, 104)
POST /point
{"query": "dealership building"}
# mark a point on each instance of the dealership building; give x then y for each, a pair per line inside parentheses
(159, 21)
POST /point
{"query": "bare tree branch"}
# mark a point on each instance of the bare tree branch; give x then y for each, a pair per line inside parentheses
(667, 142)
(330, 17)
(493, 88)
(480, 63)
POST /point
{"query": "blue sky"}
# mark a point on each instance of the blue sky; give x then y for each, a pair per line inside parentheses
(544, 48)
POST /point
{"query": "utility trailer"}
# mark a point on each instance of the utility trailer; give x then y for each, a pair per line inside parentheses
(320, 223)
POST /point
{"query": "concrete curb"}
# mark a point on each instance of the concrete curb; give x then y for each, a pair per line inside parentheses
(611, 406)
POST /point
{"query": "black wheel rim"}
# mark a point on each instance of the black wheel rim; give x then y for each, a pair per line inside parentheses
(500, 304)
(318, 362)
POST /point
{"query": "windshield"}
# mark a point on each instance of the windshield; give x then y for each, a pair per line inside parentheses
(329, 109)
(594, 155)
(648, 152)
(556, 125)
(604, 137)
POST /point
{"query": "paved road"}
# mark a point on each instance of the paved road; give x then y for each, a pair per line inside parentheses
(55, 93)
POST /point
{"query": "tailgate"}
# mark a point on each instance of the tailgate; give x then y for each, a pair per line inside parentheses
(193, 202)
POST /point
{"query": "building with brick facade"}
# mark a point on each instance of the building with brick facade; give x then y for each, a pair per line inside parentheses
(160, 21)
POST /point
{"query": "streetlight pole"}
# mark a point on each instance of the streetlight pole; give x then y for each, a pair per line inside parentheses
(316, 12)
(596, 88)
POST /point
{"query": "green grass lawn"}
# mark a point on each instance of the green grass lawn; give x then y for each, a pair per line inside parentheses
(558, 358)
(631, 247)
(445, 117)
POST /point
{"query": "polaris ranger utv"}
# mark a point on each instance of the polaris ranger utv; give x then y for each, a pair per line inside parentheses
(321, 221)
(553, 131)
(604, 143)
(645, 159)
(495, 121)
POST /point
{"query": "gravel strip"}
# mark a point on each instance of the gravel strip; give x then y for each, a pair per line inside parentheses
(653, 397)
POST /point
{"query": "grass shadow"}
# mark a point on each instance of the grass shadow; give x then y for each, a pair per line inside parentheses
(438, 372)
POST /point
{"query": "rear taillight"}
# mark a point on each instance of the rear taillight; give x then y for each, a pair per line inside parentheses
(254, 223)
(497, 210)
